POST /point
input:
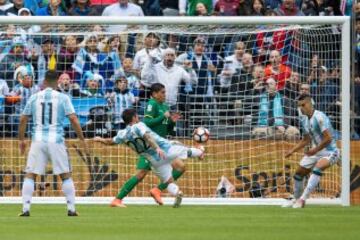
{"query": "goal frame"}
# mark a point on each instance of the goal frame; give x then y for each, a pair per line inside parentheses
(344, 199)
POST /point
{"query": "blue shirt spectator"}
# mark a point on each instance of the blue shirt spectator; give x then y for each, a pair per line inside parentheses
(82, 8)
(53, 9)
(91, 59)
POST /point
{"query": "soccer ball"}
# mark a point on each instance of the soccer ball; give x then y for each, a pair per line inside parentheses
(201, 135)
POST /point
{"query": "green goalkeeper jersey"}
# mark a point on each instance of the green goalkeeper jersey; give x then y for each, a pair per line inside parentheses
(155, 119)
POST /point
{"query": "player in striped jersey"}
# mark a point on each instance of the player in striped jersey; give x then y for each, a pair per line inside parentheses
(159, 151)
(323, 153)
(121, 99)
(48, 110)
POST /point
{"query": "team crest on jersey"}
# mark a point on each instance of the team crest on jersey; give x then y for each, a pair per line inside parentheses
(149, 108)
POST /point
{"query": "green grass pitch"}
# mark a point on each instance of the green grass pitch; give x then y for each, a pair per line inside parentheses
(188, 222)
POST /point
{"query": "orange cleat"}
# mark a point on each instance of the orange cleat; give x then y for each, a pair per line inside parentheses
(117, 203)
(156, 194)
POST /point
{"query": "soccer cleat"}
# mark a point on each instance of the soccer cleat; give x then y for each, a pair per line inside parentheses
(72, 213)
(24, 214)
(289, 203)
(156, 195)
(300, 203)
(117, 203)
(178, 200)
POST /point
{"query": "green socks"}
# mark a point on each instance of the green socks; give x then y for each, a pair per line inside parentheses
(133, 181)
(176, 174)
(127, 187)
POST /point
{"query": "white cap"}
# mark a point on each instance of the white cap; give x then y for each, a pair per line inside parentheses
(21, 10)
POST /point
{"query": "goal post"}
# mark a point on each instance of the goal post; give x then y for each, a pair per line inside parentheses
(252, 160)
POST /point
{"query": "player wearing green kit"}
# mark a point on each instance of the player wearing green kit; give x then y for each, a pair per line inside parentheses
(157, 118)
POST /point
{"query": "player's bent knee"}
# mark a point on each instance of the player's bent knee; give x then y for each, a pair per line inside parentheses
(140, 175)
(323, 164)
(178, 165)
(317, 171)
(301, 171)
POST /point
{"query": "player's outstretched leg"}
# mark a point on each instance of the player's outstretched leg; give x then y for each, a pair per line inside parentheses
(27, 192)
(124, 191)
(143, 167)
(178, 170)
(156, 191)
(311, 185)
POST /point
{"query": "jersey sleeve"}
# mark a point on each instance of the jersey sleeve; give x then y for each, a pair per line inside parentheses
(69, 108)
(151, 117)
(28, 107)
(120, 137)
(141, 129)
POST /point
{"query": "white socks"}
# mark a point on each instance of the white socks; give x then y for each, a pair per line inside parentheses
(173, 189)
(311, 185)
(27, 192)
(69, 192)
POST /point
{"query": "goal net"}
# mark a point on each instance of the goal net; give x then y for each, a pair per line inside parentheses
(240, 81)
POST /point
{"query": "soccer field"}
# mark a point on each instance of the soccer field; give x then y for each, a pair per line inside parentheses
(187, 222)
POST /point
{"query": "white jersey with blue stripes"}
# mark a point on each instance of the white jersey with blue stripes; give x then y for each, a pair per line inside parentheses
(315, 126)
(133, 136)
(121, 101)
(48, 109)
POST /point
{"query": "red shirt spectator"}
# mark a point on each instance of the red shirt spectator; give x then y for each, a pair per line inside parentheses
(268, 41)
(288, 8)
(227, 7)
(280, 72)
(102, 2)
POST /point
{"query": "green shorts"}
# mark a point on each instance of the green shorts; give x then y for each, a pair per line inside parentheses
(143, 164)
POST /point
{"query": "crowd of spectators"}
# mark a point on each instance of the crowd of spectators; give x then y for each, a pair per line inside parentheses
(175, 7)
(267, 69)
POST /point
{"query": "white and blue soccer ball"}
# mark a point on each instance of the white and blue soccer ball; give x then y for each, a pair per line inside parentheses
(201, 135)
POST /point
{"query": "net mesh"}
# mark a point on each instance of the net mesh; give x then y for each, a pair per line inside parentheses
(241, 84)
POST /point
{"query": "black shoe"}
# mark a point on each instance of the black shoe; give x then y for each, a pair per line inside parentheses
(24, 214)
(72, 214)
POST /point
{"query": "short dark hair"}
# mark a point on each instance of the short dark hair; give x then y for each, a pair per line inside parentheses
(304, 97)
(51, 76)
(128, 115)
(156, 87)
